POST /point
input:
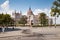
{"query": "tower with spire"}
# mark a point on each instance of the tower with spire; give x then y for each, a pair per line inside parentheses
(30, 16)
(29, 11)
(16, 15)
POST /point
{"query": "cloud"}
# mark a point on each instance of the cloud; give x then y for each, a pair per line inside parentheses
(5, 8)
(5, 5)
(36, 11)
(47, 11)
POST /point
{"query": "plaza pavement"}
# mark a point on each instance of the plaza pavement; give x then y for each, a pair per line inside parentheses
(39, 33)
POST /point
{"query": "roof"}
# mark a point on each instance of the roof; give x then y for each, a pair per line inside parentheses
(30, 12)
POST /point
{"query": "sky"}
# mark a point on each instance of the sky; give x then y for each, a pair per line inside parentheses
(23, 5)
(37, 6)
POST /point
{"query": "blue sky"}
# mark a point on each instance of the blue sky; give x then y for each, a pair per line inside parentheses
(23, 5)
(37, 6)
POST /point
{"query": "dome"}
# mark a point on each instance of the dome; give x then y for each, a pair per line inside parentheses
(29, 12)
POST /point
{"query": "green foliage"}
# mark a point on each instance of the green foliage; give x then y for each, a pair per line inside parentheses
(23, 20)
(43, 20)
(39, 26)
(55, 10)
(5, 20)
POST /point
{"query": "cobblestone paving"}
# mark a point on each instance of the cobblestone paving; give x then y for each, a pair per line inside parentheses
(41, 37)
(43, 34)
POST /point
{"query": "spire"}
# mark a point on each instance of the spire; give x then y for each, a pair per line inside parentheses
(29, 8)
(15, 11)
(20, 12)
(29, 11)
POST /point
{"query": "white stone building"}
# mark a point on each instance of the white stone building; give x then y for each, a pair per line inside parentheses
(16, 16)
(31, 18)
(35, 18)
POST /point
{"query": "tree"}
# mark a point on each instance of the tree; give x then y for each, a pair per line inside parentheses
(5, 20)
(55, 10)
(11, 22)
(42, 19)
(23, 20)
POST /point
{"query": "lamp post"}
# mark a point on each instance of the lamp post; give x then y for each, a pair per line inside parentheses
(55, 21)
(55, 18)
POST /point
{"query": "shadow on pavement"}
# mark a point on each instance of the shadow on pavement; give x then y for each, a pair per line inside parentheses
(34, 35)
(9, 29)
